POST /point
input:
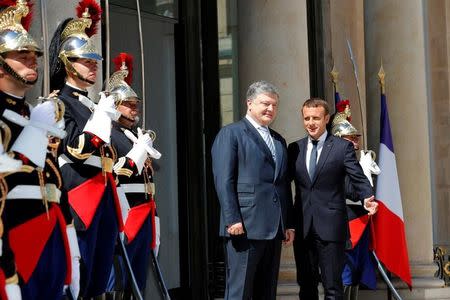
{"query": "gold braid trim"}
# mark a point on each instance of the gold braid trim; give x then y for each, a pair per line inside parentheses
(6, 135)
(23, 168)
(149, 185)
(43, 189)
(119, 164)
(120, 170)
(4, 193)
(76, 152)
(124, 172)
(13, 279)
(55, 170)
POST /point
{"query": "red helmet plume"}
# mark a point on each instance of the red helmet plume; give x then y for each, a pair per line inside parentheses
(341, 105)
(94, 9)
(128, 60)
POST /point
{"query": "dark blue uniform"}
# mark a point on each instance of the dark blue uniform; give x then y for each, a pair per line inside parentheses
(139, 227)
(91, 194)
(35, 241)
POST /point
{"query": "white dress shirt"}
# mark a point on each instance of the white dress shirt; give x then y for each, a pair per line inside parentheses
(257, 126)
(319, 148)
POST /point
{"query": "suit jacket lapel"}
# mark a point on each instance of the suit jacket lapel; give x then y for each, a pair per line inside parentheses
(279, 155)
(327, 145)
(302, 153)
(256, 137)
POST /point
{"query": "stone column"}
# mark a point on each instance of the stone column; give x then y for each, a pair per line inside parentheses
(395, 31)
(347, 24)
(273, 46)
(439, 67)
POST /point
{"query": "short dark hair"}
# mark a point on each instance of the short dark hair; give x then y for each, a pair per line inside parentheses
(317, 102)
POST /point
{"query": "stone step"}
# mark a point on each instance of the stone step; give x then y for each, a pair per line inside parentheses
(287, 274)
(289, 291)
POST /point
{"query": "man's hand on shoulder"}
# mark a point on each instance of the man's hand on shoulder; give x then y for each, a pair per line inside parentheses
(290, 235)
(371, 205)
(236, 229)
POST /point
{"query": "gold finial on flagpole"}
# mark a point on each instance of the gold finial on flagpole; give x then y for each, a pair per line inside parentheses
(334, 78)
(381, 77)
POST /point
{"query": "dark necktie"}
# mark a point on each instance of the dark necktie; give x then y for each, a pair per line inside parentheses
(313, 159)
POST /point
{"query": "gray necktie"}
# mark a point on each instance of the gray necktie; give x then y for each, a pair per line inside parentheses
(266, 137)
(313, 159)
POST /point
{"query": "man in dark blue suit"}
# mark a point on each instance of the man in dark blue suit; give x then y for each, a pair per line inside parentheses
(319, 163)
(250, 175)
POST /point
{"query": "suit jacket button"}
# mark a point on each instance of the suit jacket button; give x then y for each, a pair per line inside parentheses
(274, 199)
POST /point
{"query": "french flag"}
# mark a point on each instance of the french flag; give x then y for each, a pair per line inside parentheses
(388, 235)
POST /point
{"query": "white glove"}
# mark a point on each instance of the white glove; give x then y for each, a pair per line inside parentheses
(368, 164)
(100, 121)
(13, 291)
(158, 235)
(8, 164)
(143, 146)
(75, 255)
(33, 141)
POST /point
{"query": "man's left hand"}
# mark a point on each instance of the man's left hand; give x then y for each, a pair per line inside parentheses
(290, 235)
(371, 205)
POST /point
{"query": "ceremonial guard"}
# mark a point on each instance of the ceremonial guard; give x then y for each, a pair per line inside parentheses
(7, 165)
(35, 246)
(135, 176)
(87, 158)
(359, 267)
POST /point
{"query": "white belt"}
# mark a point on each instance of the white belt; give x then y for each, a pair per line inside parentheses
(133, 187)
(53, 194)
(93, 160)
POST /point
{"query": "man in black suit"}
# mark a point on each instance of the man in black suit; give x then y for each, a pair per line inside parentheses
(318, 163)
(250, 175)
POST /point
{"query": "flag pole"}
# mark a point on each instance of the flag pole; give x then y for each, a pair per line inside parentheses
(386, 279)
(391, 289)
(334, 78)
(381, 78)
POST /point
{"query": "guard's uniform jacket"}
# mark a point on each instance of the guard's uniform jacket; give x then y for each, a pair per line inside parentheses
(138, 188)
(359, 267)
(35, 233)
(86, 163)
(19, 106)
(84, 157)
(34, 221)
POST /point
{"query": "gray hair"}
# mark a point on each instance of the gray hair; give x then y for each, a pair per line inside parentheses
(261, 87)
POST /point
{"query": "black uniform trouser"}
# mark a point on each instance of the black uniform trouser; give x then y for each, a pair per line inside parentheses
(252, 268)
(312, 253)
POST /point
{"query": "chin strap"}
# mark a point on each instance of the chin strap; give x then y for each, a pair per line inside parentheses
(13, 73)
(82, 78)
(71, 69)
(128, 119)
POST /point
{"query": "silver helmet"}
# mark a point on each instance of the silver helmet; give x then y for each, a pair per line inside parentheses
(117, 84)
(76, 42)
(341, 125)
